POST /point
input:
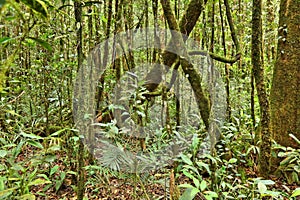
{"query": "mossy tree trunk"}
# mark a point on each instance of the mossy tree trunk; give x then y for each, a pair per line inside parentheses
(284, 97)
(80, 159)
(188, 68)
(258, 72)
(186, 25)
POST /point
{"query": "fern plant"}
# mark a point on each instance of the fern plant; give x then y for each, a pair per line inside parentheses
(290, 165)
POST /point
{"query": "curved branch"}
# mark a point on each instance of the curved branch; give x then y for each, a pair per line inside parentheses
(232, 30)
(216, 57)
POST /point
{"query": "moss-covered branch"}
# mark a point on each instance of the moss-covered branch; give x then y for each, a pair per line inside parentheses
(186, 25)
(216, 56)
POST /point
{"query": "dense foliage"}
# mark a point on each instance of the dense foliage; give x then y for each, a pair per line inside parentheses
(40, 144)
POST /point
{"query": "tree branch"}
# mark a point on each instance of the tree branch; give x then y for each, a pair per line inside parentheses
(216, 57)
(188, 68)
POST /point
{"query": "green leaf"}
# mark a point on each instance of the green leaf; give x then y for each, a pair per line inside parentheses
(210, 194)
(41, 42)
(35, 144)
(271, 193)
(57, 133)
(53, 148)
(53, 170)
(31, 135)
(286, 161)
(27, 197)
(196, 182)
(5, 193)
(3, 153)
(2, 181)
(267, 182)
(12, 112)
(5, 39)
(60, 182)
(195, 142)
(204, 165)
(296, 192)
(18, 149)
(43, 176)
(104, 19)
(262, 188)
(294, 137)
(186, 159)
(188, 174)
(186, 185)
(50, 158)
(38, 181)
(232, 160)
(203, 185)
(32, 174)
(114, 130)
(189, 194)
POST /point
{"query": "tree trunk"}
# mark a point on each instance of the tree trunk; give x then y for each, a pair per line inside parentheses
(258, 72)
(80, 160)
(284, 98)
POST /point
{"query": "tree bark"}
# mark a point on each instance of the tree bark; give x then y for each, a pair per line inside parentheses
(80, 169)
(284, 97)
(258, 72)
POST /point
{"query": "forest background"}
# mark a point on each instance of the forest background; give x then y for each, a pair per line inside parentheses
(254, 45)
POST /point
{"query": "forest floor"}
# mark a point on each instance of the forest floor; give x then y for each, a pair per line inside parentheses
(109, 185)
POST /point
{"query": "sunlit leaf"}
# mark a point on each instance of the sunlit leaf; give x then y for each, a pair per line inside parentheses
(189, 194)
(296, 192)
(267, 182)
(4, 39)
(54, 148)
(286, 161)
(38, 181)
(196, 182)
(295, 138)
(31, 135)
(211, 194)
(187, 174)
(232, 160)
(57, 133)
(186, 159)
(262, 188)
(50, 158)
(203, 185)
(5, 193)
(3, 153)
(27, 197)
(185, 185)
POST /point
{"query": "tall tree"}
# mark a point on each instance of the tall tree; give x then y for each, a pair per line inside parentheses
(258, 72)
(78, 15)
(284, 97)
